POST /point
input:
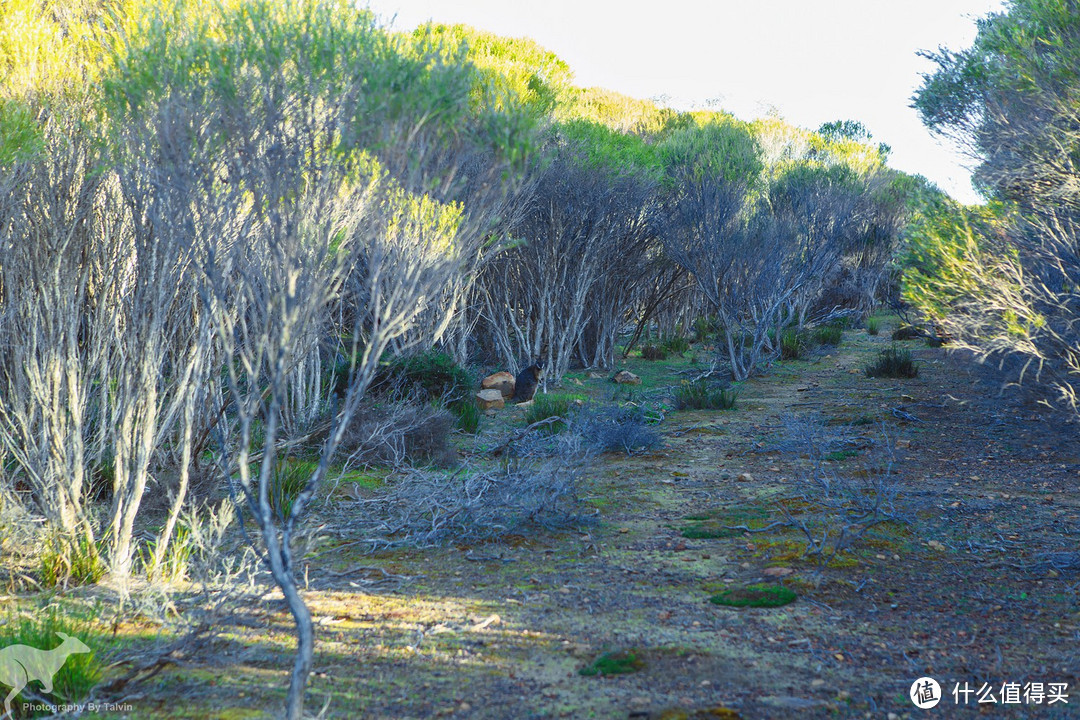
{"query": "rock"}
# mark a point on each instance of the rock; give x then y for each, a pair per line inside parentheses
(745, 477)
(489, 399)
(596, 376)
(777, 571)
(501, 381)
(625, 377)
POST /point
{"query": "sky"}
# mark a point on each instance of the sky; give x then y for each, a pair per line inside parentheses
(811, 61)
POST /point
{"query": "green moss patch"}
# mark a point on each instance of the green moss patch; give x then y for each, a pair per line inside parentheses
(761, 596)
(619, 662)
(722, 523)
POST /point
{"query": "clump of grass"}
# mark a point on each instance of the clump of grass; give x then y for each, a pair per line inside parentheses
(828, 334)
(619, 662)
(700, 395)
(676, 344)
(873, 326)
(547, 406)
(893, 362)
(653, 352)
(287, 481)
(792, 344)
(78, 675)
(468, 417)
(760, 596)
(68, 560)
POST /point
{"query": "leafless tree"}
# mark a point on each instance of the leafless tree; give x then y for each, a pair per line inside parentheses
(53, 271)
(582, 229)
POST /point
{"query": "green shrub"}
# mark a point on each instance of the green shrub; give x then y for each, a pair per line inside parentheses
(763, 596)
(653, 352)
(701, 395)
(553, 405)
(65, 560)
(792, 344)
(873, 326)
(893, 362)
(828, 334)
(78, 675)
(676, 344)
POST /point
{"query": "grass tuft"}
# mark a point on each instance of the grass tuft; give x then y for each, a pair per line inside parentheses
(873, 326)
(700, 395)
(70, 561)
(619, 662)
(828, 334)
(792, 344)
(893, 362)
(550, 405)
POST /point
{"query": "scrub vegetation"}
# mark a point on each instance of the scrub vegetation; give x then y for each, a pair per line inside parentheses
(257, 255)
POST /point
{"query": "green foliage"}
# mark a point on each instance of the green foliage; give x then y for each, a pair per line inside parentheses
(551, 405)
(619, 662)
(511, 69)
(621, 113)
(610, 151)
(792, 344)
(893, 362)
(675, 344)
(174, 564)
(468, 417)
(66, 560)
(759, 596)
(432, 375)
(702, 395)
(828, 334)
(719, 147)
(80, 672)
(873, 325)
(288, 479)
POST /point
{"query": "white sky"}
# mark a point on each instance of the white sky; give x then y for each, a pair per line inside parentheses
(812, 60)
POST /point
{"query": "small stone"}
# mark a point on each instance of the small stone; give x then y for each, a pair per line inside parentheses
(777, 571)
(625, 377)
(745, 477)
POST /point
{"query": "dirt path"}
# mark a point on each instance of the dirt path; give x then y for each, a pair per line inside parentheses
(980, 586)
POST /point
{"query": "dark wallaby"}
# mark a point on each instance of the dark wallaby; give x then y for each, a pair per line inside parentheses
(526, 381)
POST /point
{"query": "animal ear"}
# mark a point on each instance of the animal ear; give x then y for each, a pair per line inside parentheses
(63, 636)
